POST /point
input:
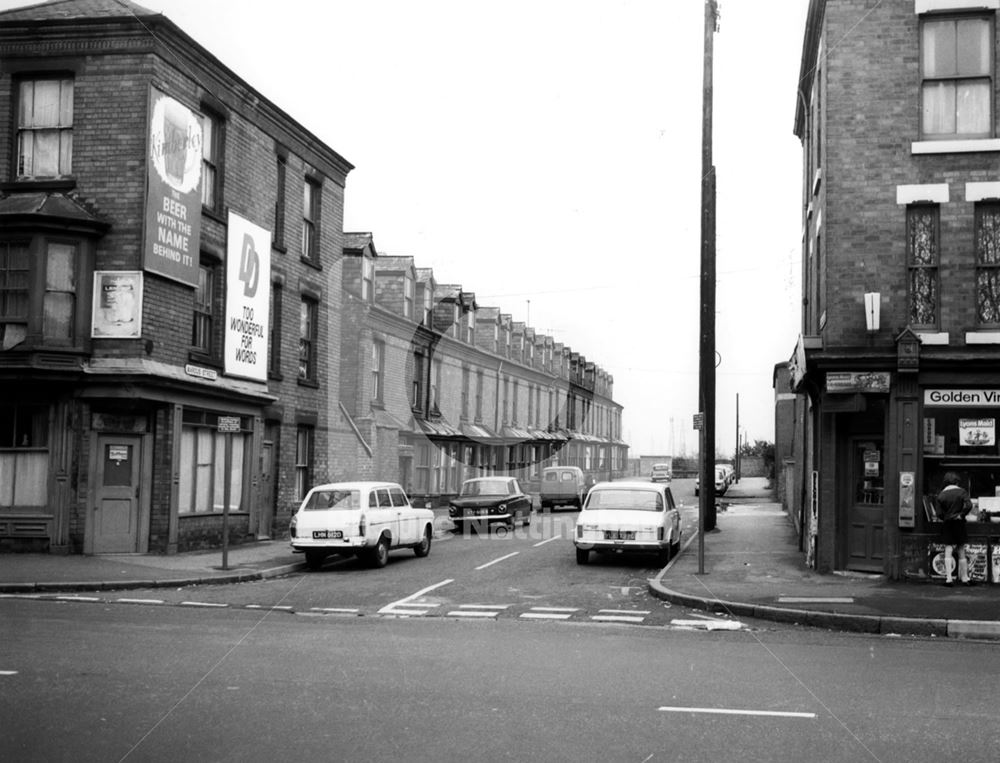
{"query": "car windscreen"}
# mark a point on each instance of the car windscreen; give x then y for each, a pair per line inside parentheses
(632, 500)
(485, 487)
(325, 500)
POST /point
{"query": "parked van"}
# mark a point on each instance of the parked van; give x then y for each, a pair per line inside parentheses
(563, 486)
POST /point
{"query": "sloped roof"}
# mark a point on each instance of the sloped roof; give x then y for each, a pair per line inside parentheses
(52, 206)
(65, 10)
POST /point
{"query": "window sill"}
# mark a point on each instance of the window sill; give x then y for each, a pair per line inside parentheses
(315, 264)
(982, 337)
(47, 184)
(308, 383)
(933, 337)
(207, 361)
(954, 146)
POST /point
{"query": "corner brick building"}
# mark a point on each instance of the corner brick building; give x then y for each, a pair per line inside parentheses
(897, 370)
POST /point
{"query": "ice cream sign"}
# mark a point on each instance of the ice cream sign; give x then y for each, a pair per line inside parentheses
(173, 196)
(975, 433)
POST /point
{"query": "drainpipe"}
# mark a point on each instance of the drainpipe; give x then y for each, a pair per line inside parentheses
(496, 407)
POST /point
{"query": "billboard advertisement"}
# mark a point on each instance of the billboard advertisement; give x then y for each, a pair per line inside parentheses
(248, 296)
(173, 190)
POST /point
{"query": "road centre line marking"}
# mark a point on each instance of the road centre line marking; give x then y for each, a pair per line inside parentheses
(139, 601)
(725, 711)
(484, 606)
(283, 608)
(77, 598)
(617, 618)
(555, 609)
(545, 616)
(624, 611)
(472, 613)
(499, 559)
(388, 608)
(548, 540)
(8, 672)
(202, 604)
(815, 599)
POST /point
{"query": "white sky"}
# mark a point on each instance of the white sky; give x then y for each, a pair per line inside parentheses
(546, 155)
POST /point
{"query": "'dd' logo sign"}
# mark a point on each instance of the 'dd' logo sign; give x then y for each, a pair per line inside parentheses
(249, 267)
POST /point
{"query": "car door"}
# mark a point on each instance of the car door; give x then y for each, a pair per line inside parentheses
(673, 519)
(409, 529)
(519, 503)
(381, 516)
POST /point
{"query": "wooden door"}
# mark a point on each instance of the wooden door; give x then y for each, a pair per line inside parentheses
(866, 506)
(116, 508)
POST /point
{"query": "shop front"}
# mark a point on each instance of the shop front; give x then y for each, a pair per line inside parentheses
(959, 434)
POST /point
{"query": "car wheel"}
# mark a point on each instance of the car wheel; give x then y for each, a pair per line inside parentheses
(527, 518)
(582, 556)
(424, 547)
(380, 554)
(314, 558)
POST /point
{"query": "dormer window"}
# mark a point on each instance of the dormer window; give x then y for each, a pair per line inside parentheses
(367, 280)
(408, 287)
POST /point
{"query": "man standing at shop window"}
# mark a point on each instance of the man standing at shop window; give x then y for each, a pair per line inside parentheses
(953, 503)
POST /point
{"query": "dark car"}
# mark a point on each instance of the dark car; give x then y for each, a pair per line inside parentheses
(486, 500)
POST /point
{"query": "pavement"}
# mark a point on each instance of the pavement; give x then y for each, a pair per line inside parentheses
(750, 567)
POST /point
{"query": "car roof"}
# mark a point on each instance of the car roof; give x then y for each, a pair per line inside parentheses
(494, 477)
(630, 485)
(569, 468)
(362, 485)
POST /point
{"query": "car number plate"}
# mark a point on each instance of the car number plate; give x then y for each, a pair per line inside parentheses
(619, 535)
(324, 534)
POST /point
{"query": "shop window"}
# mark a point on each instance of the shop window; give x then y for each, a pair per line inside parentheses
(45, 128)
(988, 263)
(922, 223)
(956, 77)
(210, 462)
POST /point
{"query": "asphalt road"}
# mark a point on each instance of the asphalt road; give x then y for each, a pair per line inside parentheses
(141, 683)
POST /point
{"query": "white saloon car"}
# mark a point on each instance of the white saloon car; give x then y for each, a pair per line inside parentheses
(366, 519)
(633, 517)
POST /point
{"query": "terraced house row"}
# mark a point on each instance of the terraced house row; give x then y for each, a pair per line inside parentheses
(189, 340)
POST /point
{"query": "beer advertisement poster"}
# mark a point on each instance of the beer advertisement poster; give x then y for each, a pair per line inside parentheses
(173, 190)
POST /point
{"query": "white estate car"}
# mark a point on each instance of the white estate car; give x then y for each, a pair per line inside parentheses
(362, 518)
(636, 517)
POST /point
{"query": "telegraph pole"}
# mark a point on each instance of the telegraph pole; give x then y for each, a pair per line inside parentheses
(706, 381)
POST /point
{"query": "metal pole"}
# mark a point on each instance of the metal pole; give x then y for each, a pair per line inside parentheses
(706, 380)
(737, 458)
(226, 495)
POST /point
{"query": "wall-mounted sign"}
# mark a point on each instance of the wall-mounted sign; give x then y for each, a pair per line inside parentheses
(976, 433)
(117, 305)
(858, 381)
(229, 424)
(248, 296)
(962, 398)
(173, 190)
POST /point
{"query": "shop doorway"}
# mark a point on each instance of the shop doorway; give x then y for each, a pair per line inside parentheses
(116, 505)
(266, 514)
(866, 505)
